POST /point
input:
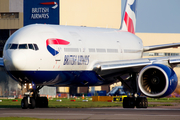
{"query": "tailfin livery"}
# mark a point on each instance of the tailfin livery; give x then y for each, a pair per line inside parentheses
(129, 18)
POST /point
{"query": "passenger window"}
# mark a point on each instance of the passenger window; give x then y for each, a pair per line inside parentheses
(14, 46)
(22, 46)
(30, 46)
(36, 47)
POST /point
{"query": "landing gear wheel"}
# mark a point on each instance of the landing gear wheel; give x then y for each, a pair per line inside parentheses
(42, 102)
(33, 103)
(141, 102)
(24, 103)
(129, 102)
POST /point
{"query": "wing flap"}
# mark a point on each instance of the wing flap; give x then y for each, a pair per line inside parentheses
(121, 64)
(174, 61)
(134, 65)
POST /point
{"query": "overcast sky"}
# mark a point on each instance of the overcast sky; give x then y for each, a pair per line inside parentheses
(157, 16)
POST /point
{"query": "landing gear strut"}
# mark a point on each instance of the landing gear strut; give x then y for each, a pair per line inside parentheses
(32, 100)
(132, 101)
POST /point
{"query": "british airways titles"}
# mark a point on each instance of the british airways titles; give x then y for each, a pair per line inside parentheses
(76, 60)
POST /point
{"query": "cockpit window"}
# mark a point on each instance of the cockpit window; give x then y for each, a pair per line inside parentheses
(8, 46)
(31, 46)
(36, 47)
(23, 46)
(14, 46)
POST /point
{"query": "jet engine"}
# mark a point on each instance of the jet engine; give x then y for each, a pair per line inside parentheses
(157, 80)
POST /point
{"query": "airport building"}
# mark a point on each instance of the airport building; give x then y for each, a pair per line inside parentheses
(15, 14)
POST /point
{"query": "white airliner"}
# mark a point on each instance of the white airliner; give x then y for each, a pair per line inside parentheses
(57, 55)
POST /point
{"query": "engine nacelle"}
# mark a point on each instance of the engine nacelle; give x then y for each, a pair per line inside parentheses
(157, 80)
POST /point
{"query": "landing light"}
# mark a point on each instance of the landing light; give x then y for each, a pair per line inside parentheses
(29, 86)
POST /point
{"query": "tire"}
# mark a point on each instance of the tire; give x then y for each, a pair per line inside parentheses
(141, 102)
(33, 103)
(42, 102)
(138, 102)
(129, 102)
(24, 103)
(145, 103)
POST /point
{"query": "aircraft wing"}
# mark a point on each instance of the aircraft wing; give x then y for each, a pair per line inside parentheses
(156, 47)
(134, 65)
(1, 62)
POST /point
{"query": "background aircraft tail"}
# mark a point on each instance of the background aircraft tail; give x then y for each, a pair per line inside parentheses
(129, 17)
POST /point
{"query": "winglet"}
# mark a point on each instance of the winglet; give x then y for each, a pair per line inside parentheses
(129, 17)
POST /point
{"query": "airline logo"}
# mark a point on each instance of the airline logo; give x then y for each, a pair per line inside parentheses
(55, 41)
(41, 11)
(51, 3)
(130, 16)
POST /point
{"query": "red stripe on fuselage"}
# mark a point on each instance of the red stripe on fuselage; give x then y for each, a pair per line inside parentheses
(56, 41)
(129, 23)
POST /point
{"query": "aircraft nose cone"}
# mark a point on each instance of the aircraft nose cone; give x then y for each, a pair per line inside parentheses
(15, 60)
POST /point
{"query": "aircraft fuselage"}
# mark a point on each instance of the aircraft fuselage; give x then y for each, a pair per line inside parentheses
(65, 55)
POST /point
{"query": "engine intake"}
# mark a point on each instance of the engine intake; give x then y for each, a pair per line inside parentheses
(157, 80)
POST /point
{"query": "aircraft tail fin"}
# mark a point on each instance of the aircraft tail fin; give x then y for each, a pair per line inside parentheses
(129, 17)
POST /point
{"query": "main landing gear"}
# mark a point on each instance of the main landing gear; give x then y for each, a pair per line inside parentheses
(134, 99)
(32, 100)
(131, 102)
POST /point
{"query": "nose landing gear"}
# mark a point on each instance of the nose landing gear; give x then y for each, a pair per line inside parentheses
(32, 99)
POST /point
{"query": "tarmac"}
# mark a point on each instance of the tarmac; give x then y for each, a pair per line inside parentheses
(110, 113)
